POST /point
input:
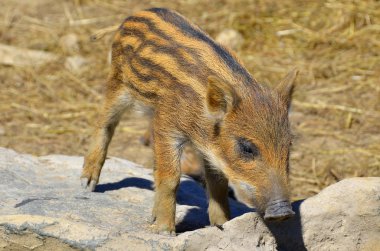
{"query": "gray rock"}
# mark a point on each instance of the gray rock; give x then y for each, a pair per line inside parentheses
(69, 43)
(230, 38)
(15, 56)
(42, 195)
(76, 63)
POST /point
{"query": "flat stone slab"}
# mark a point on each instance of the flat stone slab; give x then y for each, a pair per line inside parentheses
(42, 195)
(11, 55)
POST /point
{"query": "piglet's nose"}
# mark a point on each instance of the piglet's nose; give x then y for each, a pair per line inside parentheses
(278, 210)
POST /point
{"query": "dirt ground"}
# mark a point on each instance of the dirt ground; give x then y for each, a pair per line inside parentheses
(30, 241)
(335, 114)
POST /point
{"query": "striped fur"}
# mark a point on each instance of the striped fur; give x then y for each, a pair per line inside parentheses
(201, 95)
(162, 50)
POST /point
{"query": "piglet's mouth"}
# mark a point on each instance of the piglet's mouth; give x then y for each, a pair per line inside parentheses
(278, 210)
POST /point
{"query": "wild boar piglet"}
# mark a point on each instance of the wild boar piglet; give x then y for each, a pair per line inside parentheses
(197, 93)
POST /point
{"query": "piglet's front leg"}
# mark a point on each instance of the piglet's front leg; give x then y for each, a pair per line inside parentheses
(167, 177)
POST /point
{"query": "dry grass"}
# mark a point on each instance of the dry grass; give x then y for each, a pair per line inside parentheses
(336, 44)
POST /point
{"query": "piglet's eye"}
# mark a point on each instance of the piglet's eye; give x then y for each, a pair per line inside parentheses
(247, 149)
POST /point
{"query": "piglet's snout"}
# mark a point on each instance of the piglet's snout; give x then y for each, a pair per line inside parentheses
(278, 210)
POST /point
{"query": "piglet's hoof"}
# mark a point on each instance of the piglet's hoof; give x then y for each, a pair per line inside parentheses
(88, 185)
(151, 219)
(162, 230)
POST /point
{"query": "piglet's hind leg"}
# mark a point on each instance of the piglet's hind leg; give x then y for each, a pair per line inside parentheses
(116, 102)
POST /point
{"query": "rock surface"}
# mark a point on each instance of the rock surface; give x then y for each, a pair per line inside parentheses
(40, 197)
(230, 38)
(69, 43)
(76, 63)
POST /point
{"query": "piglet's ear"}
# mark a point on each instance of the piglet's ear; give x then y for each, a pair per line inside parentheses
(221, 97)
(286, 87)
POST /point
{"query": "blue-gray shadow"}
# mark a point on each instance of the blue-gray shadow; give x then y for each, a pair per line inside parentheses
(193, 194)
(127, 182)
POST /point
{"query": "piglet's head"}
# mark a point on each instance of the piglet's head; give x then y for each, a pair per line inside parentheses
(252, 137)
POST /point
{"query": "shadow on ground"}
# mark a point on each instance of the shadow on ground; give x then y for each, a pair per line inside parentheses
(127, 182)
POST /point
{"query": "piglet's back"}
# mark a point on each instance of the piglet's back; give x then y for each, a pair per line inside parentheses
(158, 53)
